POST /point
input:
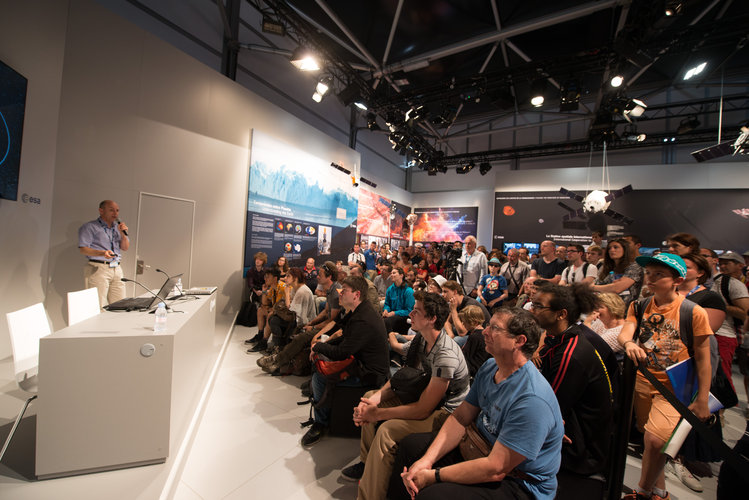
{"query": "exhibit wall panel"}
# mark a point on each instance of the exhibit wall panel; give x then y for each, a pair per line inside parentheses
(37, 54)
(139, 115)
(481, 198)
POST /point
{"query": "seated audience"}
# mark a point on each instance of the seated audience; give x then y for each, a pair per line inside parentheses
(619, 274)
(371, 295)
(443, 361)
(582, 383)
(283, 266)
(453, 293)
(310, 274)
(492, 288)
(273, 293)
(363, 337)
(399, 300)
(300, 301)
(474, 350)
(515, 412)
(594, 255)
(578, 271)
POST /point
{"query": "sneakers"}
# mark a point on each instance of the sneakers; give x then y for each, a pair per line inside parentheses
(265, 361)
(353, 472)
(313, 435)
(677, 469)
(640, 496)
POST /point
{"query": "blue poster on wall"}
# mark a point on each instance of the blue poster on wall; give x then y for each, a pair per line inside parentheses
(12, 108)
(297, 205)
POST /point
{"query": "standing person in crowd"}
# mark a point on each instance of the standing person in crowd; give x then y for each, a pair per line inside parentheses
(561, 253)
(635, 243)
(513, 409)
(608, 321)
(682, 244)
(473, 265)
(737, 304)
(515, 271)
(548, 266)
(364, 338)
(102, 241)
(370, 259)
(582, 383)
(619, 274)
(594, 255)
(399, 301)
(443, 362)
(578, 271)
(524, 255)
(310, 274)
(256, 276)
(712, 259)
(356, 256)
(492, 287)
(596, 238)
(660, 347)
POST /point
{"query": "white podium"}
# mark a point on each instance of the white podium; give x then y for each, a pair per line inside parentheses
(114, 394)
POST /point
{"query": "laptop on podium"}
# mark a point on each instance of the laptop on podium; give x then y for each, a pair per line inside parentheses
(145, 303)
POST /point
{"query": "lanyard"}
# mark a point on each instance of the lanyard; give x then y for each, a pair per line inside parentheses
(690, 292)
(109, 231)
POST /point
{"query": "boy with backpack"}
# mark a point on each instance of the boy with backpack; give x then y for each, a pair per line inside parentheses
(660, 342)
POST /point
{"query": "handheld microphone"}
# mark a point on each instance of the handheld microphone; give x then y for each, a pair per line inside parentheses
(127, 280)
(123, 232)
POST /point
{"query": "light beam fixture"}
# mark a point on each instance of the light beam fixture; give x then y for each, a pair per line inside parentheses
(465, 168)
(617, 81)
(695, 70)
(537, 92)
(484, 168)
(635, 108)
(304, 60)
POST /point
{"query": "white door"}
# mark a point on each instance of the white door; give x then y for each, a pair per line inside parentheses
(163, 240)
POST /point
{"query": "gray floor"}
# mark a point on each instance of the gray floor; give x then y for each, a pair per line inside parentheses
(247, 446)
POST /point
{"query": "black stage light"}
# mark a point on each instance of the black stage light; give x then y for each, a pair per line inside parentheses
(484, 168)
(465, 168)
(372, 122)
(569, 96)
(688, 124)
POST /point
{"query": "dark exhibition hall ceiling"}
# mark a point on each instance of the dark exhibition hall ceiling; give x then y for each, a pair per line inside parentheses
(473, 65)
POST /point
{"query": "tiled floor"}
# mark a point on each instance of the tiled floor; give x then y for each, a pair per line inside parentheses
(247, 447)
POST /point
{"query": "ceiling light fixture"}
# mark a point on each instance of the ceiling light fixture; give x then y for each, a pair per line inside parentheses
(687, 125)
(635, 108)
(630, 134)
(324, 85)
(617, 81)
(537, 92)
(317, 97)
(361, 105)
(484, 168)
(695, 71)
(673, 8)
(465, 168)
(304, 60)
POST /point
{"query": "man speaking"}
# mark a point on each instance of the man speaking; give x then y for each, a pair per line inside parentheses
(103, 240)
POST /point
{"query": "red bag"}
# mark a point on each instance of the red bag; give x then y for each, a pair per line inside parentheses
(334, 370)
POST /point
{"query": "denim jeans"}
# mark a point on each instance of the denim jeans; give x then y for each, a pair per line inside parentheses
(322, 415)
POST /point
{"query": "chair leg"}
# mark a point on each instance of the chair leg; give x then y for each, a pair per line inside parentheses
(15, 425)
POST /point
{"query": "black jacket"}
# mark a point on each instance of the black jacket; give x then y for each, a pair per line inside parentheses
(578, 378)
(365, 338)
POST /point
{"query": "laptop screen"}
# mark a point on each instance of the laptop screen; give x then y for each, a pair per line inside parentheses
(165, 289)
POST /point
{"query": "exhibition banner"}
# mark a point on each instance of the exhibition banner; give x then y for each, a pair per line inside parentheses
(373, 214)
(719, 218)
(297, 205)
(444, 224)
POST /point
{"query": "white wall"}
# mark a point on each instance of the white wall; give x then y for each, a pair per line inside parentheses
(32, 40)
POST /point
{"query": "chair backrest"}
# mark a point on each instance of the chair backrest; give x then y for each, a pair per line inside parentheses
(26, 327)
(83, 304)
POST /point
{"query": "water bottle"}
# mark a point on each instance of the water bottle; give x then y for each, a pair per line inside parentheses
(160, 323)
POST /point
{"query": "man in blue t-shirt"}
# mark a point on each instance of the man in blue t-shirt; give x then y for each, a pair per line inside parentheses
(492, 287)
(515, 411)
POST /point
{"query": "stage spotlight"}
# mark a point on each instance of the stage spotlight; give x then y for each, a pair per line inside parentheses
(688, 124)
(695, 71)
(569, 96)
(484, 168)
(361, 105)
(304, 60)
(617, 81)
(317, 97)
(372, 122)
(323, 86)
(537, 92)
(465, 168)
(630, 134)
(673, 8)
(635, 108)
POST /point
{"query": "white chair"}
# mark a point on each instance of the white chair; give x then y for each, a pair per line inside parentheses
(83, 304)
(26, 327)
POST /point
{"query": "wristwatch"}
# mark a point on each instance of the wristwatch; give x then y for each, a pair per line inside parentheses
(437, 478)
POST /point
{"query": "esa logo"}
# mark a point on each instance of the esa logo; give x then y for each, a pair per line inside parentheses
(30, 199)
